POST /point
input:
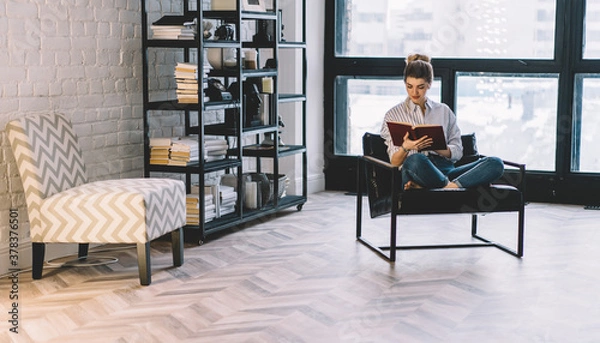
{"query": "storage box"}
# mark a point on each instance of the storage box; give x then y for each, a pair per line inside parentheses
(223, 5)
(282, 184)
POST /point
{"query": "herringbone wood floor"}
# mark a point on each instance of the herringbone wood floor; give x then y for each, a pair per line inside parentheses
(302, 277)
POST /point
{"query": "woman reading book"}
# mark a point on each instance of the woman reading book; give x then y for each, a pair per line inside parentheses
(420, 166)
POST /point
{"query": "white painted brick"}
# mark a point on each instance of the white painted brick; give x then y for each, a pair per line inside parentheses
(68, 102)
(61, 44)
(9, 104)
(10, 91)
(34, 104)
(20, 9)
(13, 73)
(92, 101)
(69, 87)
(82, 14)
(40, 89)
(105, 127)
(38, 73)
(55, 88)
(72, 72)
(4, 57)
(25, 89)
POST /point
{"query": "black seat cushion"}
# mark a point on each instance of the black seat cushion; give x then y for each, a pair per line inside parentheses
(494, 198)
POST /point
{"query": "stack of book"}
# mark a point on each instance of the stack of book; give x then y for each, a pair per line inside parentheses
(174, 27)
(184, 150)
(228, 198)
(215, 149)
(159, 150)
(192, 206)
(186, 77)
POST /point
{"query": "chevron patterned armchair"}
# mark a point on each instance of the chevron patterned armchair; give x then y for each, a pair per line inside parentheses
(64, 207)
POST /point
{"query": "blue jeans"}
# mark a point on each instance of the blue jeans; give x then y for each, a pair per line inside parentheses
(435, 171)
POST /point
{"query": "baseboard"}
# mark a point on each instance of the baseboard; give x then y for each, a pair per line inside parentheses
(316, 183)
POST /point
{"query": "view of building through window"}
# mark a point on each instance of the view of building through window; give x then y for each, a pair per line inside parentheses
(449, 28)
(513, 115)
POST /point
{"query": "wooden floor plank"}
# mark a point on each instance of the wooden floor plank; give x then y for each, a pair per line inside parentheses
(302, 277)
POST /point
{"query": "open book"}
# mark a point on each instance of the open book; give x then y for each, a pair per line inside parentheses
(436, 132)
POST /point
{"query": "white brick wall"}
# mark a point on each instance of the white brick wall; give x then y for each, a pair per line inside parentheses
(83, 58)
(79, 58)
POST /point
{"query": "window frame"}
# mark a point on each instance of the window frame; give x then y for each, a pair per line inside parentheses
(560, 185)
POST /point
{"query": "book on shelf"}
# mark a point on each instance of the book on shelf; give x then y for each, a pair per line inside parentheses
(174, 27)
(186, 77)
(193, 210)
(399, 129)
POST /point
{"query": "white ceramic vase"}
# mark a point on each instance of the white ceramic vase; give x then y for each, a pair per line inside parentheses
(221, 58)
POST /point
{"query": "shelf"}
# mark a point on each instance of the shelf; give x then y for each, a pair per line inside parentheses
(172, 43)
(292, 45)
(291, 97)
(174, 105)
(195, 166)
(259, 72)
(226, 130)
(258, 150)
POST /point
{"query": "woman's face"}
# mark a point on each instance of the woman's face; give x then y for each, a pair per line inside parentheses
(416, 89)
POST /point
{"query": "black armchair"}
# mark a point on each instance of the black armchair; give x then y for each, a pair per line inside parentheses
(383, 189)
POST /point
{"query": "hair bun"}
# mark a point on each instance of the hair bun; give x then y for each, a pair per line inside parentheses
(418, 57)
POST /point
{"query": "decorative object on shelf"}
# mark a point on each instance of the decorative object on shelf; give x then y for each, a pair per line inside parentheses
(224, 32)
(223, 5)
(253, 5)
(250, 59)
(257, 190)
(263, 34)
(269, 141)
(216, 91)
(221, 58)
(271, 63)
(206, 27)
(282, 183)
(252, 102)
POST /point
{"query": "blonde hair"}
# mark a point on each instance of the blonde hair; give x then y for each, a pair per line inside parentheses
(419, 66)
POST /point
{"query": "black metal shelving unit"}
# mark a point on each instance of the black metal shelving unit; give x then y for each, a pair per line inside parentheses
(238, 133)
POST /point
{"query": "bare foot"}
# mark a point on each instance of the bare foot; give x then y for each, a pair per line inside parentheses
(411, 185)
(451, 185)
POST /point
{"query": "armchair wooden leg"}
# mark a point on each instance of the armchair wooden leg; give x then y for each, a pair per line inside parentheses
(177, 246)
(83, 250)
(143, 252)
(38, 252)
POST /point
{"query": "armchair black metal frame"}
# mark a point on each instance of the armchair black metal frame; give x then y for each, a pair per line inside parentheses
(383, 180)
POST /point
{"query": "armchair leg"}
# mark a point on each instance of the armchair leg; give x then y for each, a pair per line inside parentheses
(177, 246)
(143, 252)
(83, 250)
(38, 252)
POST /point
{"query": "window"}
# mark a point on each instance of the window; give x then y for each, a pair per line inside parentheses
(513, 116)
(523, 75)
(368, 99)
(586, 124)
(449, 28)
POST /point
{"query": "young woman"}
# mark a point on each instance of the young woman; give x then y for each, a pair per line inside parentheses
(423, 168)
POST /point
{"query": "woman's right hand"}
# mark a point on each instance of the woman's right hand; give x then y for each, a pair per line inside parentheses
(419, 144)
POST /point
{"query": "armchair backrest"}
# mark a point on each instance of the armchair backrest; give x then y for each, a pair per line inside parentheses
(48, 158)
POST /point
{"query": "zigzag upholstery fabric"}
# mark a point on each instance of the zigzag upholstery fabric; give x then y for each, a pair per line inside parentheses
(64, 207)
